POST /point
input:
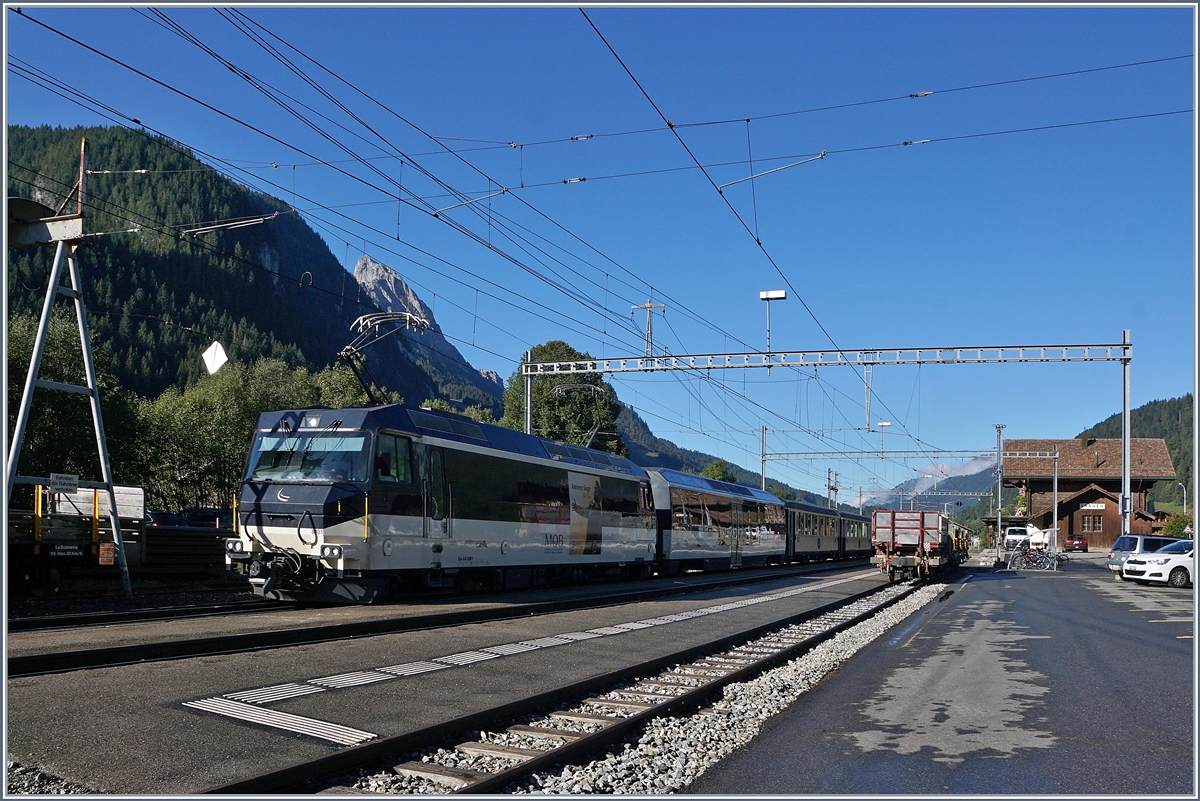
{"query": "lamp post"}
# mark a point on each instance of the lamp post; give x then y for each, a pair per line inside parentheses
(768, 296)
(882, 424)
(999, 488)
(917, 495)
(1182, 487)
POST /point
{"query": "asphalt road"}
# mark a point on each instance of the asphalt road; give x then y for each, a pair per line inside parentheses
(1025, 683)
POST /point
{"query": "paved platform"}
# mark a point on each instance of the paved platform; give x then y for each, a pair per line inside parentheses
(185, 725)
(1020, 682)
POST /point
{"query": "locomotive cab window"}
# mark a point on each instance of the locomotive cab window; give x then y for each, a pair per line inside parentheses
(329, 455)
(393, 460)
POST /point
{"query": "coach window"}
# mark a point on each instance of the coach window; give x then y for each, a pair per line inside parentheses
(697, 510)
(679, 511)
(392, 460)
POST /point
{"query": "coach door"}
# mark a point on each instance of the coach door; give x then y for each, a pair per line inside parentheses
(434, 489)
(738, 535)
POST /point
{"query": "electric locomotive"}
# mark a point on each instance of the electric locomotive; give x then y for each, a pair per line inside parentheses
(353, 504)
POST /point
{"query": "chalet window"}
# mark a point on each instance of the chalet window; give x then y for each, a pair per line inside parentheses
(1093, 523)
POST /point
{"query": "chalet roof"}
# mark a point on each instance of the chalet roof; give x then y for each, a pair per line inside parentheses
(1101, 459)
(1042, 503)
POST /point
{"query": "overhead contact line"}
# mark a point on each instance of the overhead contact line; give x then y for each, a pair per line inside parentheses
(424, 207)
(757, 241)
(518, 198)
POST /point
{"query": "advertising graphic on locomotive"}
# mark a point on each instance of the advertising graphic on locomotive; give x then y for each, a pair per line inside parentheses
(354, 504)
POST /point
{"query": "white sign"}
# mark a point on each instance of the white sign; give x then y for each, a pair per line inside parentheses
(214, 357)
(1091, 506)
(64, 482)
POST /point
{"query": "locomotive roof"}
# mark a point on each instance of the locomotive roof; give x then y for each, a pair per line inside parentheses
(824, 510)
(443, 425)
(692, 481)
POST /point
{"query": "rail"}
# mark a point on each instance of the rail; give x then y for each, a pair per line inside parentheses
(726, 660)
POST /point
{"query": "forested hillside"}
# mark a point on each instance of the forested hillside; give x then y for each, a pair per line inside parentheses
(1170, 420)
(158, 297)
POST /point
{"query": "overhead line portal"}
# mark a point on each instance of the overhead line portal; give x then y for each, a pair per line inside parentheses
(831, 358)
(996, 354)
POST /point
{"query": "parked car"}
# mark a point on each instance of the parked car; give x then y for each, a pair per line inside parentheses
(1173, 565)
(208, 517)
(1014, 535)
(1131, 544)
(159, 519)
(1076, 542)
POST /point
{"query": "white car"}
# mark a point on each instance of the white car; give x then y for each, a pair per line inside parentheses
(1172, 564)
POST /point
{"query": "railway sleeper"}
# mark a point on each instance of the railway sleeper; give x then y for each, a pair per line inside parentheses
(548, 734)
(678, 680)
(647, 694)
(637, 706)
(453, 778)
(481, 748)
(584, 717)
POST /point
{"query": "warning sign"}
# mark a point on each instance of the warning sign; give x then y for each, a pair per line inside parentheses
(108, 553)
(64, 482)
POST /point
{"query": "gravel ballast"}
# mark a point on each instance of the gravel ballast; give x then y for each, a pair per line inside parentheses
(671, 752)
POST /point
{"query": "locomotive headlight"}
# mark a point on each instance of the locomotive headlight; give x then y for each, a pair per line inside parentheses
(234, 545)
(331, 552)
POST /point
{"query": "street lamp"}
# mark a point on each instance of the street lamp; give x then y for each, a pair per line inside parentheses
(917, 495)
(770, 295)
(999, 486)
(1180, 483)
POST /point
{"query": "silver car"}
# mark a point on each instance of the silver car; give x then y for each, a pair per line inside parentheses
(1129, 544)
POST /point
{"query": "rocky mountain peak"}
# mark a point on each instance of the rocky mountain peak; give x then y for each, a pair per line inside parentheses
(389, 291)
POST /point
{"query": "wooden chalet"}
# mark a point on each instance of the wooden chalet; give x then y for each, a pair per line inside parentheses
(1089, 484)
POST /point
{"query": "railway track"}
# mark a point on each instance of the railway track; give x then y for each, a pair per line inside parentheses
(566, 725)
(88, 619)
(64, 661)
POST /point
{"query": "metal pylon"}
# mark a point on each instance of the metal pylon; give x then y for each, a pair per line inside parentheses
(66, 231)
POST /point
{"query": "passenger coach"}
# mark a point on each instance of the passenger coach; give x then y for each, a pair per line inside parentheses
(705, 524)
(818, 533)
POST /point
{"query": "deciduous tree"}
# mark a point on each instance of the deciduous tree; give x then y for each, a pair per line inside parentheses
(569, 414)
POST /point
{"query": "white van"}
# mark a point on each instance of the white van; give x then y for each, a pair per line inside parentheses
(1013, 535)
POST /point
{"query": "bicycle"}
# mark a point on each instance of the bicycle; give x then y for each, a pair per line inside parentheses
(1025, 557)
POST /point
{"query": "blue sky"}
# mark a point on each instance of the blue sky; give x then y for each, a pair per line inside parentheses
(1057, 236)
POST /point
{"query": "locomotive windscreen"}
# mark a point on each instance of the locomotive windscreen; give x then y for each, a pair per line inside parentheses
(340, 456)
